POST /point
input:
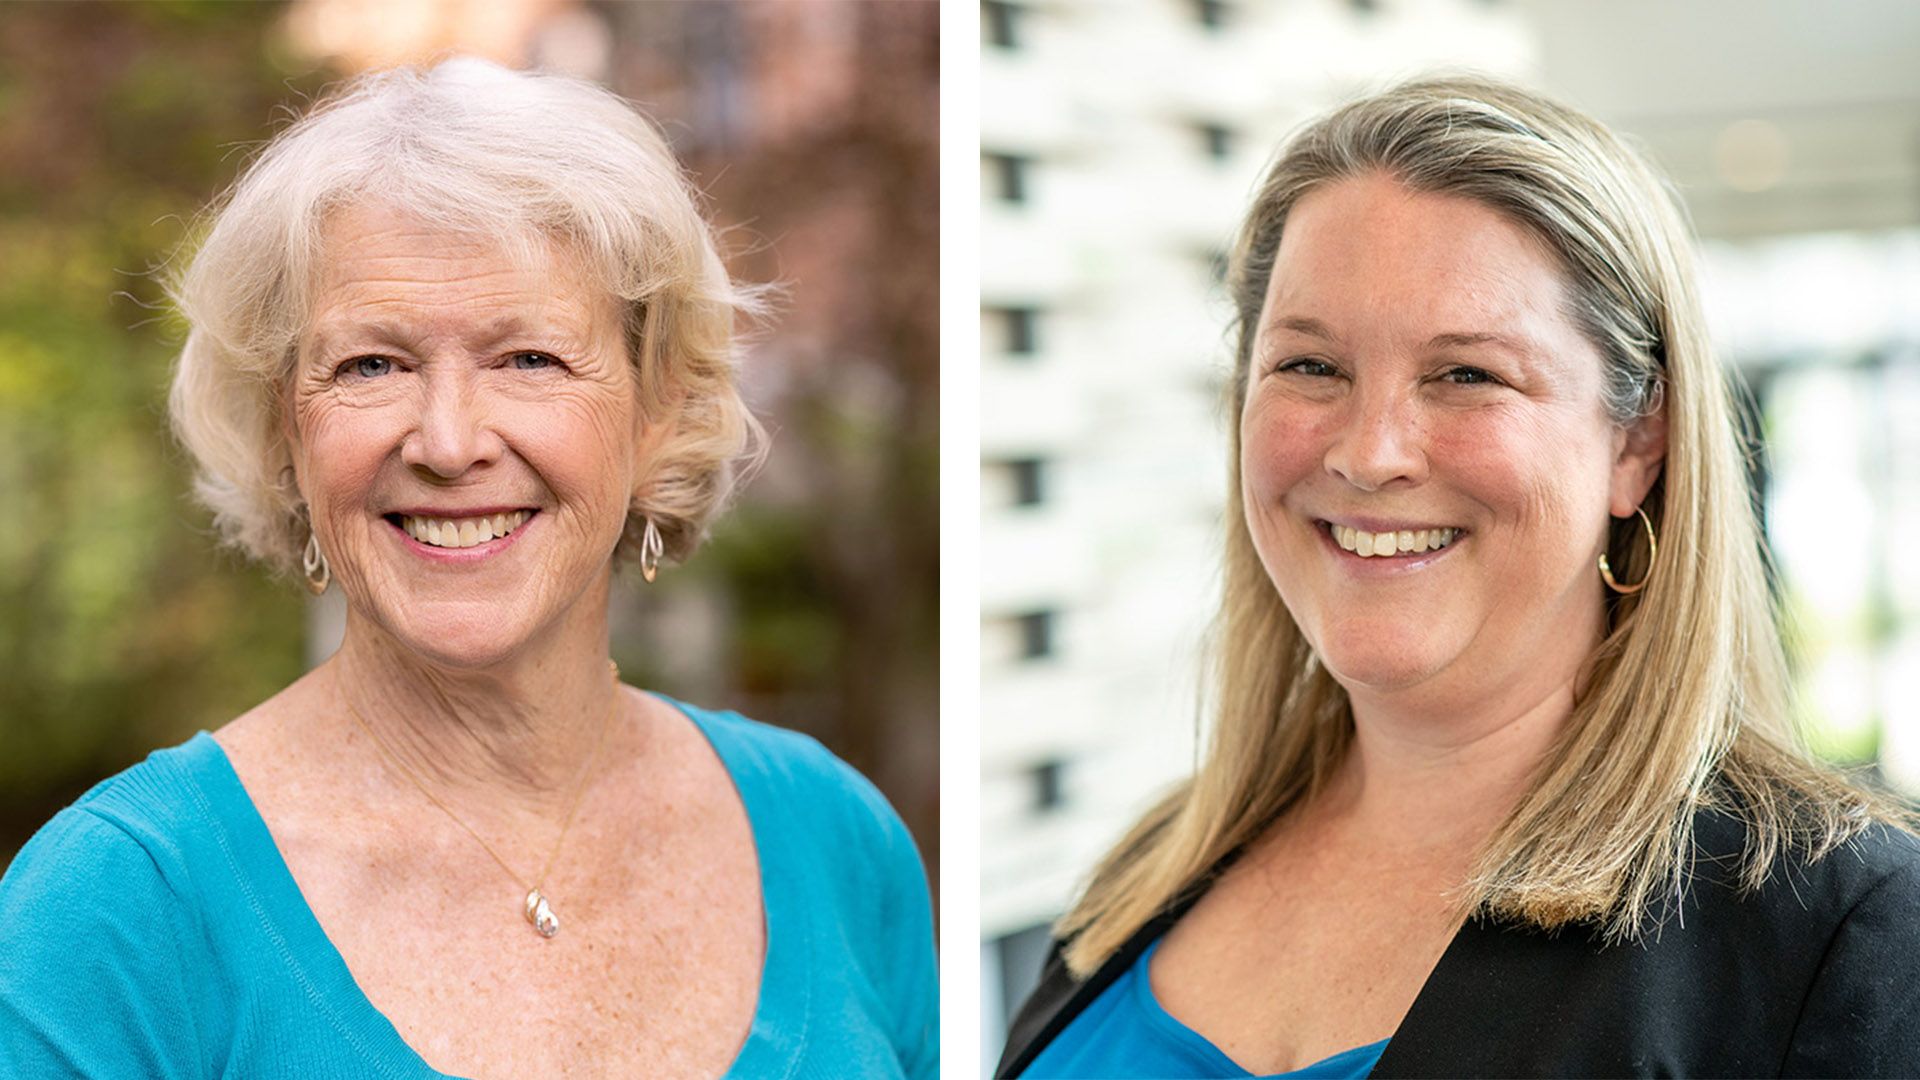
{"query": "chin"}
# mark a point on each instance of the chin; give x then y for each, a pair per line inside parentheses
(1381, 661)
(468, 635)
(483, 648)
(466, 659)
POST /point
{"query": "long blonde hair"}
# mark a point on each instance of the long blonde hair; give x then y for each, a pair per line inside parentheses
(1685, 703)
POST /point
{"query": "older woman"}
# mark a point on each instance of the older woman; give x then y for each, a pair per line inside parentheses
(1501, 782)
(460, 343)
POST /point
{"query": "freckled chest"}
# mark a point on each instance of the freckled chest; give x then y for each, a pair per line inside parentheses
(655, 971)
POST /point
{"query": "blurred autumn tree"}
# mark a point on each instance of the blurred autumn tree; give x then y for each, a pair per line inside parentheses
(814, 128)
(811, 128)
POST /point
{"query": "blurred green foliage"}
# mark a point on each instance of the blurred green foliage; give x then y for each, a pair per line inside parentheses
(121, 629)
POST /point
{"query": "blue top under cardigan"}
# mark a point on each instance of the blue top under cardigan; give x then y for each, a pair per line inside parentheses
(111, 964)
(1125, 1032)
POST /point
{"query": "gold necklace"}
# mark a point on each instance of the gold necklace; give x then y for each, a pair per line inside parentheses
(538, 908)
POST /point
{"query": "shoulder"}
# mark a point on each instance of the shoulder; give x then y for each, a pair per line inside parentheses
(97, 928)
(765, 752)
(1859, 905)
(835, 854)
(141, 824)
(80, 853)
(1805, 975)
(1881, 861)
(791, 782)
(92, 884)
(1879, 866)
(1812, 968)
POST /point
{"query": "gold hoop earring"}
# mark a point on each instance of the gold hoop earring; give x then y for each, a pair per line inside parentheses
(1653, 553)
(651, 548)
(314, 561)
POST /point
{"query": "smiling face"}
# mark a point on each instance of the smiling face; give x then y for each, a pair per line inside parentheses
(439, 381)
(1415, 372)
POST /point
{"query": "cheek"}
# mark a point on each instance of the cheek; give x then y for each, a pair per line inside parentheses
(1543, 474)
(1281, 445)
(341, 447)
(581, 444)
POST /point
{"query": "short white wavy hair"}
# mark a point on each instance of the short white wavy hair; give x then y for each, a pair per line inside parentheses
(532, 160)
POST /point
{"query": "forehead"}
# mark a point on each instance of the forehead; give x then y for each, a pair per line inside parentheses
(1368, 251)
(377, 261)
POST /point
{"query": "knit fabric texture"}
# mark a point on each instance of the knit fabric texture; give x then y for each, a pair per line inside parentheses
(152, 929)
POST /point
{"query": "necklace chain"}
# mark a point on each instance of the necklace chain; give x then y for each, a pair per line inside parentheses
(549, 925)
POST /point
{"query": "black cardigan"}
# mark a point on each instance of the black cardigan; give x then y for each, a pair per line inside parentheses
(1815, 974)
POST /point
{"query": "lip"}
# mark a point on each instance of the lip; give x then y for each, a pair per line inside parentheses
(1382, 525)
(461, 556)
(447, 512)
(1385, 566)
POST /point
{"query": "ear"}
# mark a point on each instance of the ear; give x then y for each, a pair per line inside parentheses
(1639, 453)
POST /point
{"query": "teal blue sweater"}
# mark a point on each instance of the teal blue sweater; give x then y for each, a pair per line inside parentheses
(152, 930)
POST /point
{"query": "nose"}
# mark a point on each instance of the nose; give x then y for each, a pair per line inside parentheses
(1378, 443)
(454, 432)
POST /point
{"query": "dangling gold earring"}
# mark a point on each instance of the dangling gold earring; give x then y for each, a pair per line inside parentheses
(315, 560)
(1653, 552)
(651, 548)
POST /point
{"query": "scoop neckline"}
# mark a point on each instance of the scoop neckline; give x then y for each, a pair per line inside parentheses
(1157, 1014)
(282, 913)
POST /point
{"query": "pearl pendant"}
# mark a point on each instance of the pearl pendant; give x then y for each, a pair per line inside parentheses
(544, 921)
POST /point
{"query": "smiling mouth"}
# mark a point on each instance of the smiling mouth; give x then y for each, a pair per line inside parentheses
(459, 532)
(1406, 542)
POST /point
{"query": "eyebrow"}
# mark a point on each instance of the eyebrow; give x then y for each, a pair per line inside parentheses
(1311, 327)
(1518, 346)
(487, 335)
(327, 335)
(1300, 324)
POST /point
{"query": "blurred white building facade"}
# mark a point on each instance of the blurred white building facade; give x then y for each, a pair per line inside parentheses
(1119, 142)
(1120, 139)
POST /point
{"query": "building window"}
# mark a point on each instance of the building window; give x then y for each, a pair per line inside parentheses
(1216, 140)
(1008, 176)
(1211, 13)
(1014, 482)
(1000, 21)
(1029, 475)
(1048, 792)
(1036, 634)
(1019, 329)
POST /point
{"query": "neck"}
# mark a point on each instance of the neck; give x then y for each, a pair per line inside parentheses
(1444, 791)
(511, 734)
(1441, 763)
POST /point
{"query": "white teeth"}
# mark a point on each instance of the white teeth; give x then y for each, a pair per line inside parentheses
(1404, 541)
(465, 532)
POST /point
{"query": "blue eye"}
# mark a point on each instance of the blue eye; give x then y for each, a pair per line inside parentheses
(359, 366)
(544, 361)
(1468, 376)
(1317, 368)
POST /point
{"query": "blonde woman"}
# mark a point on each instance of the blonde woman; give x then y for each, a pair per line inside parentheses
(460, 343)
(1500, 781)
